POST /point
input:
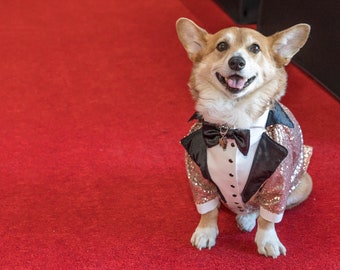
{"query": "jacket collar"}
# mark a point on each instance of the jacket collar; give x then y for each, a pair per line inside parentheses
(277, 116)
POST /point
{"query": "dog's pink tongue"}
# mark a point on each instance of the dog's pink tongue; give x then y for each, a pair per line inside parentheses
(236, 82)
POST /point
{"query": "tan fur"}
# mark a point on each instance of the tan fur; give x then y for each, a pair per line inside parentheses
(241, 108)
(301, 193)
(209, 219)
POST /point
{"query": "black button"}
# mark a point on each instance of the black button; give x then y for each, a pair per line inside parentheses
(230, 160)
(232, 144)
(234, 195)
(231, 175)
(232, 187)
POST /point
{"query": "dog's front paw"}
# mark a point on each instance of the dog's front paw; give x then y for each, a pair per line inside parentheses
(204, 237)
(268, 243)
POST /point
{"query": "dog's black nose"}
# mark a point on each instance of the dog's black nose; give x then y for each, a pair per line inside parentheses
(237, 63)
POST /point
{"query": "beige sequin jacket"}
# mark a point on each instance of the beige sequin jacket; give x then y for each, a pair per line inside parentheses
(280, 160)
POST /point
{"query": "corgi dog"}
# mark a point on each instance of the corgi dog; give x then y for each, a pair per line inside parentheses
(245, 149)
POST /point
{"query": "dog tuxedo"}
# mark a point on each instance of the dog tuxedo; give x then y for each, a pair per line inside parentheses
(248, 170)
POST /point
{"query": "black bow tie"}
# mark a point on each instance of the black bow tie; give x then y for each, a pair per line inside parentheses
(215, 134)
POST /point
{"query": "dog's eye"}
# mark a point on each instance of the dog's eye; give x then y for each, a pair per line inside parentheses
(222, 46)
(254, 48)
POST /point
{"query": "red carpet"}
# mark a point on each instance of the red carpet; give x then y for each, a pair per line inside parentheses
(93, 103)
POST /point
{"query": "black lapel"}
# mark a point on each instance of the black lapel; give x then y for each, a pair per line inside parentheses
(196, 148)
(278, 116)
(268, 156)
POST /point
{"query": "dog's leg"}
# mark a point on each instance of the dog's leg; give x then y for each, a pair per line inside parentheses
(267, 241)
(301, 192)
(206, 231)
(247, 222)
(266, 238)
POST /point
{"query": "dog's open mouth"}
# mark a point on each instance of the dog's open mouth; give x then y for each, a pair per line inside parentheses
(234, 83)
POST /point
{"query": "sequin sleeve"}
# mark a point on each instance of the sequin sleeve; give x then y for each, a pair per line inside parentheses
(274, 193)
(203, 190)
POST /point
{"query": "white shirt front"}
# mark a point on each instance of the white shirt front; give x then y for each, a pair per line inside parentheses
(229, 169)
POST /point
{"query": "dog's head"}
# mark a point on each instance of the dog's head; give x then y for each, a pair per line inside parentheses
(237, 62)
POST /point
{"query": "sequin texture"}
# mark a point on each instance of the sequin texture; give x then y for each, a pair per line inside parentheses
(274, 192)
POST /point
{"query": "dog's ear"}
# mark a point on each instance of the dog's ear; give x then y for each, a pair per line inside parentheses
(288, 42)
(192, 37)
